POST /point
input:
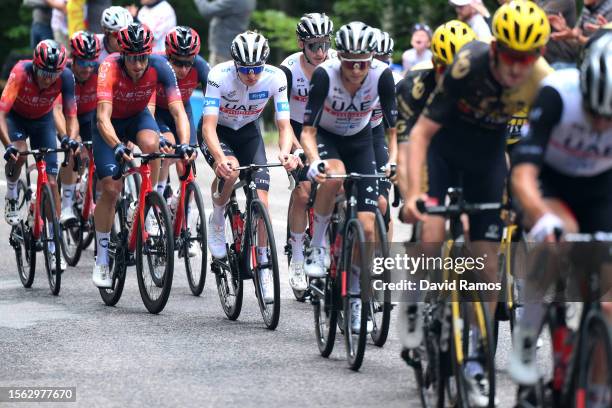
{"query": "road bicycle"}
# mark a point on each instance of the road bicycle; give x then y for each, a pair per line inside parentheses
(131, 243)
(247, 232)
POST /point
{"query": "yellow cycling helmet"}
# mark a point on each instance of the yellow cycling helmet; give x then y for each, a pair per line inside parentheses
(449, 38)
(521, 25)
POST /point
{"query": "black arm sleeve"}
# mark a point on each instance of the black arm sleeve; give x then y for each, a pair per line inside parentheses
(386, 93)
(289, 76)
(544, 116)
(319, 87)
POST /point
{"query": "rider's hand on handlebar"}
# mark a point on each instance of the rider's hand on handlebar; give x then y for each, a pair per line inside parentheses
(186, 151)
(223, 168)
(544, 228)
(122, 153)
(11, 153)
(289, 161)
(315, 173)
(410, 213)
(164, 145)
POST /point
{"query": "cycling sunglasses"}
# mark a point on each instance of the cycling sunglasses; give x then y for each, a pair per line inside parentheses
(136, 58)
(355, 63)
(246, 70)
(510, 57)
(182, 63)
(316, 46)
(42, 73)
(85, 63)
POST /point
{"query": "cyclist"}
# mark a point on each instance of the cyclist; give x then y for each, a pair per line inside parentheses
(236, 94)
(26, 110)
(85, 49)
(385, 154)
(126, 82)
(182, 48)
(561, 177)
(113, 19)
(337, 133)
(468, 113)
(314, 31)
(414, 90)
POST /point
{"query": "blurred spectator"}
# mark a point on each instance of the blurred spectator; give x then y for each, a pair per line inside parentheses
(228, 18)
(59, 26)
(473, 13)
(420, 52)
(159, 16)
(75, 16)
(560, 54)
(41, 19)
(94, 15)
(595, 14)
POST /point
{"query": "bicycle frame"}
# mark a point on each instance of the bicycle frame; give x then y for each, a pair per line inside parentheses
(42, 179)
(145, 187)
(179, 217)
(88, 205)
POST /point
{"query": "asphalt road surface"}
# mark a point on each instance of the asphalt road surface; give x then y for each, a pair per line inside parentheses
(190, 354)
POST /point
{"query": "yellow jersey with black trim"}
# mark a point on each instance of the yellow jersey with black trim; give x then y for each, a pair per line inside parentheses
(412, 93)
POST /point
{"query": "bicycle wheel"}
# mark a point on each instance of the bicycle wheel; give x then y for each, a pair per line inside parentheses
(89, 229)
(467, 316)
(193, 239)
(20, 239)
(227, 273)
(72, 239)
(155, 280)
(354, 255)
(380, 303)
(428, 360)
(594, 361)
(118, 254)
(262, 244)
(51, 234)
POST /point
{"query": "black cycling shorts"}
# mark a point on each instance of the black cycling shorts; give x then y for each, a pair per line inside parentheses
(357, 154)
(588, 198)
(247, 146)
(481, 177)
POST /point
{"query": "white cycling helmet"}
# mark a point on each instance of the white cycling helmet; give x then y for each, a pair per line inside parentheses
(250, 48)
(384, 43)
(356, 38)
(596, 76)
(314, 25)
(115, 18)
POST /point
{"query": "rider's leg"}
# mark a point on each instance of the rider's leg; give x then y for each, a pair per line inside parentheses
(297, 219)
(165, 166)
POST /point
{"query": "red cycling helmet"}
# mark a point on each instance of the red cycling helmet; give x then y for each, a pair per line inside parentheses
(135, 39)
(50, 55)
(182, 41)
(85, 45)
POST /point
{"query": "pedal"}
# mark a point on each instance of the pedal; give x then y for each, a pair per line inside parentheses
(314, 290)
(412, 362)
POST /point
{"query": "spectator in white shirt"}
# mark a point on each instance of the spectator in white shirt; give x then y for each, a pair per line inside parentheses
(468, 12)
(160, 17)
(420, 41)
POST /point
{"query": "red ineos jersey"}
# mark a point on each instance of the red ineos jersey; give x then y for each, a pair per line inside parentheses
(23, 95)
(130, 97)
(198, 74)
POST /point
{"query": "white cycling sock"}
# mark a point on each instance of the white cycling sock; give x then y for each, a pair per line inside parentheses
(599, 396)
(161, 186)
(102, 241)
(262, 254)
(355, 284)
(473, 368)
(68, 191)
(218, 212)
(11, 189)
(320, 226)
(51, 244)
(297, 246)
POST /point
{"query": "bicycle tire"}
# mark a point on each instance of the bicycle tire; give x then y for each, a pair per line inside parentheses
(20, 239)
(486, 348)
(355, 347)
(381, 331)
(196, 281)
(154, 249)
(55, 279)
(117, 255)
(597, 332)
(269, 312)
(72, 240)
(229, 276)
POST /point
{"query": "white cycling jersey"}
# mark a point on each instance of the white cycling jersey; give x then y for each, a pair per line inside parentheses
(237, 104)
(299, 85)
(336, 111)
(561, 135)
(377, 113)
(103, 52)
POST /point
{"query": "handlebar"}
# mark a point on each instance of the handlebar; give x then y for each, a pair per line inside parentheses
(457, 209)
